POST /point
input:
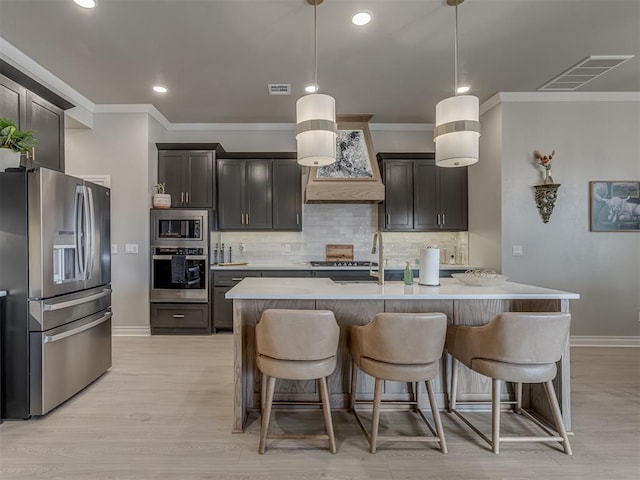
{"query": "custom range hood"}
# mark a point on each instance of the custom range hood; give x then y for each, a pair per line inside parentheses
(354, 177)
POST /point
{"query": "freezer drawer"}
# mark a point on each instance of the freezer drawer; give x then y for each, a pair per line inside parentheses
(66, 359)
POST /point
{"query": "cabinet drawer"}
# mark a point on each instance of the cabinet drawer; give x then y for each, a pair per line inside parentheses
(287, 273)
(179, 318)
(224, 278)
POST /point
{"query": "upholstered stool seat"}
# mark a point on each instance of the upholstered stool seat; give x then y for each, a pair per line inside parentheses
(296, 345)
(403, 347)
(513, 347)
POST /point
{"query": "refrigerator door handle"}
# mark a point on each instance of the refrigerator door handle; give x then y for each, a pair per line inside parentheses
(75, 331)
(89, 231)
(50, 307)
(78, 227)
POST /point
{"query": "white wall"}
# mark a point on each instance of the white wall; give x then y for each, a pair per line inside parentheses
(118, 145)
(594, 140)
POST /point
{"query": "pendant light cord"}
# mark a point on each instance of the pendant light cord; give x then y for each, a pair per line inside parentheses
(315, 47)
(455, 55)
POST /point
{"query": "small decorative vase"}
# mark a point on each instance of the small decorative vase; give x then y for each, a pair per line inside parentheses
(161, 200)
(9, 159)
(548, 179)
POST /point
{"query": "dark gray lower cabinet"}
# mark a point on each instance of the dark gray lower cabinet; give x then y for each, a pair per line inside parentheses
(180, 318)
(223, 281)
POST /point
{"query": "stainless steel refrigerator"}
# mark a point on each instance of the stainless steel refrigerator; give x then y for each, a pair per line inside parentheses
(55, 264)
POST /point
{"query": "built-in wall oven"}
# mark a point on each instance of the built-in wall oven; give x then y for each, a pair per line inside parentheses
(179, 256)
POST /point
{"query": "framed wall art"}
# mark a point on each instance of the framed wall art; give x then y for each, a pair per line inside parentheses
(614, 206)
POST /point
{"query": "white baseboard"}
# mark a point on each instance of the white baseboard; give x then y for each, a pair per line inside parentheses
(588, 341)
(130, 331)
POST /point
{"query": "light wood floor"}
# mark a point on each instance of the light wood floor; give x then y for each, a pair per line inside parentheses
(163, 411)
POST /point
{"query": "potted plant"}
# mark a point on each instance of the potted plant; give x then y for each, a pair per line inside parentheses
(14, 143)
(161, 199)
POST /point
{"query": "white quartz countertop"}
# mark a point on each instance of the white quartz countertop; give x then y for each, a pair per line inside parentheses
(307, 266)
(325, 289)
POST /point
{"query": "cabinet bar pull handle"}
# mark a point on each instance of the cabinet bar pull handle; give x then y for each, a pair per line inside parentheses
(187, 196)
(388, 219)
(181, 197)
(443, 222)
(248, 222)
(236, 279)
(178, 315)
(297, 219)
(242, 216)
(438, 219)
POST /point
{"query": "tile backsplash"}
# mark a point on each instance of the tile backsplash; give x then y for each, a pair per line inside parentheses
(347, 223)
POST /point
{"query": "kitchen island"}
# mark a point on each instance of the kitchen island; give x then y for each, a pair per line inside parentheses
(356, 304)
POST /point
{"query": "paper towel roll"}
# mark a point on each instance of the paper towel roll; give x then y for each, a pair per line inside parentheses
(429, 267)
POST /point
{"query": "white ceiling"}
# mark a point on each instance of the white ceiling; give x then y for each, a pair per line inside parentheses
(217, 56)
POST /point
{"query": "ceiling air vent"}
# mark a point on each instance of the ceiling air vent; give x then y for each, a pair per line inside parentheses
(279, 89)
(584, 71)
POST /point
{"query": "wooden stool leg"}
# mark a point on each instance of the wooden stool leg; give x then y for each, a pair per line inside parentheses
(495, 415)
(518, 386)
(436, 416)
(557, 416)
(454, 384)
(375, 416)
(266, 413)
(263, 391)
(326, 409)
(354, 379)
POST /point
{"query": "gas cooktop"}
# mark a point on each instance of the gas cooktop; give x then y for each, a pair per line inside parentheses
(342, 263)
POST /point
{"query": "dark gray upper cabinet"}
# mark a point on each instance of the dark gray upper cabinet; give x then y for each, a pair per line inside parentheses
(47, 122)
(398, 180)
(259, 191)
(244, 194)
(32, 112)
(420, 196)
(12, 101)
(287, 195)
(188, 173)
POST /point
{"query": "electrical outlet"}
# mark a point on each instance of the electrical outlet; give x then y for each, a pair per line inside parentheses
(114, 248)
(517, 250)
(131, 248)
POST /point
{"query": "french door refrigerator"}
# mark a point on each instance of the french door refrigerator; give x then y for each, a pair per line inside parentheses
(55, 264)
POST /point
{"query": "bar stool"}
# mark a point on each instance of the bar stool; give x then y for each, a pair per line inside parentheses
(513, 347)
(403, 347)
(296, 345)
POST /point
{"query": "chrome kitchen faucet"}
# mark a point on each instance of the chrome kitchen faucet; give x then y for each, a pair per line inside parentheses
(378, 245)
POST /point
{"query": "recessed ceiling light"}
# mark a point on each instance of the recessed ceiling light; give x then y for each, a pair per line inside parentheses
(361, 17)
(311, 88)
(463, 89)
(86, 3)
(160, 89)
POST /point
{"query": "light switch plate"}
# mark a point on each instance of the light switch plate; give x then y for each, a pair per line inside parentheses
(114, 248)
(131, 248)
(517, 250)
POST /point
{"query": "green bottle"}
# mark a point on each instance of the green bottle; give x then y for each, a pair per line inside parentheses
(408, 275)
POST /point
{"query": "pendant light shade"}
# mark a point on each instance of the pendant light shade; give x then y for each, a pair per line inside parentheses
(457, 121)
(457, 131)
(316, 118)
(316, 130)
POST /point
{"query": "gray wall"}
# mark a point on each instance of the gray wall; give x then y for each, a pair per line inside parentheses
(596, 140)
(118, 145)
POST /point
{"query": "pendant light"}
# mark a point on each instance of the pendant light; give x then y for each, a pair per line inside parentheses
(457, 121)
(316, 118)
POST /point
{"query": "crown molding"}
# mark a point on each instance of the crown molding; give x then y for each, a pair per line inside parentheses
(26, 65)
(512, 97)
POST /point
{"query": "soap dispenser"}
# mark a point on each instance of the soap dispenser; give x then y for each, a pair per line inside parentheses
(408, 275)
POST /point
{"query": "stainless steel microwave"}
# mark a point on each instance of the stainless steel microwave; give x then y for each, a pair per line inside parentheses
(179, 228)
